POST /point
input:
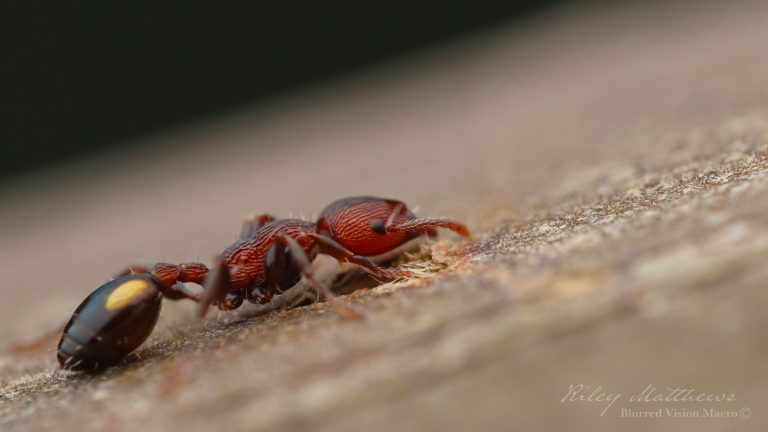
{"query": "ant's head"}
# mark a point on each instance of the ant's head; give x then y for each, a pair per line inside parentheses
(360, 224)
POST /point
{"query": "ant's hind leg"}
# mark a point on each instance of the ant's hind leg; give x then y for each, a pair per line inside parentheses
(253, 223)
(302, 261)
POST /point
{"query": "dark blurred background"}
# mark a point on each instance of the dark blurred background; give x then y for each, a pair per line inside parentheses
(81, 76)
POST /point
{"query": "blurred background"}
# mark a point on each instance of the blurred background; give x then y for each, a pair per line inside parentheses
(82, 77)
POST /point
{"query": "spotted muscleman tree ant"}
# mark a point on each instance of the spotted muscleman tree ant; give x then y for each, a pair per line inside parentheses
(271, 256)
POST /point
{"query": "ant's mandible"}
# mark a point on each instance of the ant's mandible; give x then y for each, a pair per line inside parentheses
(271, 256)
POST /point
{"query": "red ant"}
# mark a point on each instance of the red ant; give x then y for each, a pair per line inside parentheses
(271, 256)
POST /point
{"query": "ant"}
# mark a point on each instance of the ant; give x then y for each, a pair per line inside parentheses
(270, 256)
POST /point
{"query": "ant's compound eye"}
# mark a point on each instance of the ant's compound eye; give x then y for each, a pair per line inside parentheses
(377, 225)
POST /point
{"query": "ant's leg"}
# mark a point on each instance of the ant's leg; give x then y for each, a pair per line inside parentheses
(253, 224)
(421, 226)
(217, 287)
(302, 261)
(275, 263)
(330, 247)
(179, 291)
(276, 267)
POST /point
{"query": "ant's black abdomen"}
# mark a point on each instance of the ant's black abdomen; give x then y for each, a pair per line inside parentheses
(110, 323)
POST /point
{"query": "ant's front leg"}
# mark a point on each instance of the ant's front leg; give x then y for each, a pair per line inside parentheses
(418, 226)
(300, 258)
(253, 223)
(330, 247)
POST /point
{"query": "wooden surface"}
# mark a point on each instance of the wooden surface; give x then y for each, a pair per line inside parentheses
(612, 162)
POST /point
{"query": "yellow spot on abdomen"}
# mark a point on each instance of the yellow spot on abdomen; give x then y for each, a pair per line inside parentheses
(126, 293)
